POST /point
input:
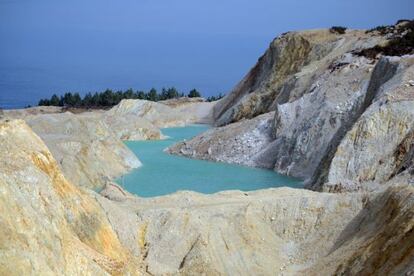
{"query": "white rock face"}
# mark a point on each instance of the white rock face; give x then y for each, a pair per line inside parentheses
(304, 128)
(380, 144)
(287, 71)
(158, 114)
(200, 110)
(237, 143)
(318, 132)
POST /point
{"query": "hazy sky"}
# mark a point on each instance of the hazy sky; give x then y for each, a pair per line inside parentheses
(49, 46)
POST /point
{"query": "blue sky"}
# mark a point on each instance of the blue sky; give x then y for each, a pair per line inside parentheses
(53, 46)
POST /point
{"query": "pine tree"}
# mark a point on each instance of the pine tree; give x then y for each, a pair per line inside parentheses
(194, 94)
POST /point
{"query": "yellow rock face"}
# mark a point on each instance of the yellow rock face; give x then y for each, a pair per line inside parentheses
(49, 226)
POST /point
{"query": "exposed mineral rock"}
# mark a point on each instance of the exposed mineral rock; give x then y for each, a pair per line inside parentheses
(47, 225)
(322, 106)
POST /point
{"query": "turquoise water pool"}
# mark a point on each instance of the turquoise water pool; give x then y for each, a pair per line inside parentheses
(163, 174)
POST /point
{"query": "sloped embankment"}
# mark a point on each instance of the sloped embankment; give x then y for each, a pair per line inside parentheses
(47, 224)
(329, 129)
(286, 231)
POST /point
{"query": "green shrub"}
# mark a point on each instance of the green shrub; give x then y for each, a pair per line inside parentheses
(194, 94)
(337, 29)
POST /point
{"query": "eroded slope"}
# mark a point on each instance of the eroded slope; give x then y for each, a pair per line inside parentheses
(48, 226)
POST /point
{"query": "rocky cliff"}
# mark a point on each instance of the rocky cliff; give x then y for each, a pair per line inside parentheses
(48, 226)
(331, 108)
(332, 99)
(288, 70)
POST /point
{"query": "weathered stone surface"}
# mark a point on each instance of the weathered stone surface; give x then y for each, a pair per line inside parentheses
(287, 71)
(88, 145)
(132, 128)
(141, 120)
(47, 225)
(298, 138)
(378, 241)
(86, 149)
(23, 113)
(304, 128)
(201, 110)
(381, 144)
(286, 231)
(158, 114)
(260, 232)
(237, 143)
(309, 127)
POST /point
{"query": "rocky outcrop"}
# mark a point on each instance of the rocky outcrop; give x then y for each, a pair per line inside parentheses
(201, 110)
(275, 231)
(378, 241)
(158, 114)
(295, 141)
(388, 125)
(328, 128)
(287, 71)
(262, 232)
(47, 225)
(88, 152)
(142, 120)
(132, 128)
(237, 143)
(304, 129)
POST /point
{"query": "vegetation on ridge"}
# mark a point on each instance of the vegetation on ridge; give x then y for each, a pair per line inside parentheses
(401, 40)
(338, 29)
(110, 98)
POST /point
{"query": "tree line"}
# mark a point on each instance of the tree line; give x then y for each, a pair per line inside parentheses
(109, 98)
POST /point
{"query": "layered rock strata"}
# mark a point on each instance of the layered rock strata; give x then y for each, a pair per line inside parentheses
(48, 226)
(326, 131)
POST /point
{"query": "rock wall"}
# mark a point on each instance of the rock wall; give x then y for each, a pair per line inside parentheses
(328, 122)
(237, 143)
(88, 152)
(199, 108)
(380, 144)
(158, 114)
(47, 225)
(378, 241)
(287, 71)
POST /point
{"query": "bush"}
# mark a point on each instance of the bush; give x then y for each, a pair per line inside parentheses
(401, 44)
(381, 29)
(215, 98)
(337, 30)
(194, 94)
